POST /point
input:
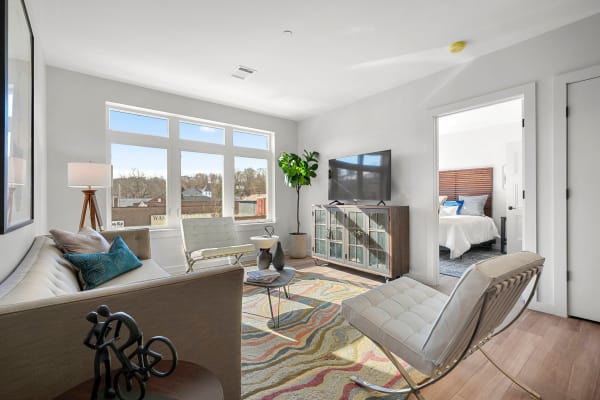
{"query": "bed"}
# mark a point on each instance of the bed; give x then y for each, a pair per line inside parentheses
(459, 233)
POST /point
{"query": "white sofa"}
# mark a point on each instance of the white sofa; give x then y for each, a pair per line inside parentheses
(42, 318)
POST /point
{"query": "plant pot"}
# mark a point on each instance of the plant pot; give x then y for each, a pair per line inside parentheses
(297, 245)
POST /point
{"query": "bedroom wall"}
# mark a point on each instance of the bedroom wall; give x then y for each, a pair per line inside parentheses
(14, 245)
(77, 132)
(396, 119)
(481, 148)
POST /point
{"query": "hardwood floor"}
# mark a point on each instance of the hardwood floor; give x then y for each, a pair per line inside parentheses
(557, 357)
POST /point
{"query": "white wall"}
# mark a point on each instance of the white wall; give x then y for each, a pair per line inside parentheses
(14, 245)
(396, 119)
(476, 148)
(77, 132)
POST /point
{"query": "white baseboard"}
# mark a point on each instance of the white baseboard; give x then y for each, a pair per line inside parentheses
(545, 308)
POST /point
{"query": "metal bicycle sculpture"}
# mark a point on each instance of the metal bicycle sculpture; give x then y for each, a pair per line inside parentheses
(138, 361)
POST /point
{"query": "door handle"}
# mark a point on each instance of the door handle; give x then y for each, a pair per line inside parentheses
(511, 208)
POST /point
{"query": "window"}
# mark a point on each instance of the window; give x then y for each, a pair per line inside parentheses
(201, 185)
(138, 123)
(201, 133)
(139, 185)
(250, 140)
(250, 188)
(167, 167)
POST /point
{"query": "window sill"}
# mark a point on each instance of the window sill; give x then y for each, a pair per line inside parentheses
(252, 225)
(172, 231)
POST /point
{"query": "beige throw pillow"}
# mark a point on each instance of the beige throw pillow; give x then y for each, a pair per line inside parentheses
(87, 241)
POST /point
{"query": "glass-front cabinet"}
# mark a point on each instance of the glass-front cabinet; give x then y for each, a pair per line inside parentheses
(369, 238)
(328, 233)
(320, 236)
(378, 239)
(356, 237)
(336, 234)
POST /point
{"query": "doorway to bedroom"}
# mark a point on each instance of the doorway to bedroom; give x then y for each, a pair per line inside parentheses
(480, 184)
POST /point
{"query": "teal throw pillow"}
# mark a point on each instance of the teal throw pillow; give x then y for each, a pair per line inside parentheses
(95, 269)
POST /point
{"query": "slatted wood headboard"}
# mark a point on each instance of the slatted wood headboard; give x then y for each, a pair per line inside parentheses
(468, 182)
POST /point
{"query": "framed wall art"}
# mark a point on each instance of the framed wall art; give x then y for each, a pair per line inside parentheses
(16, 148)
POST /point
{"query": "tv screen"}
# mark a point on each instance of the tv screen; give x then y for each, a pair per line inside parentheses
(361, 177)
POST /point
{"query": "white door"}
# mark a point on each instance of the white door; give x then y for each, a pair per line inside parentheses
(583, 175)
(514, 197)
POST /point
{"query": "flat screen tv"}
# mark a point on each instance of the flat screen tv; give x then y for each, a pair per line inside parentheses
(361, 177)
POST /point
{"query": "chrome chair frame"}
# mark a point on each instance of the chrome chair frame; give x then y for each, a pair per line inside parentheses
(473, 345)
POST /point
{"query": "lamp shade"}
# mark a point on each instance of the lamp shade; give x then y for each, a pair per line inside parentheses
(87, 174)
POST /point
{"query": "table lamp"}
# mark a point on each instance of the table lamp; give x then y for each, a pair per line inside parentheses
(90, 176)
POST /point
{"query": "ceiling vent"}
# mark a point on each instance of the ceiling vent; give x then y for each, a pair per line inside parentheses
(242, 72)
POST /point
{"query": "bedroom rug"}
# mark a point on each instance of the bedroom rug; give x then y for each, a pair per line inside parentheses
(458, 266)
(315, 351)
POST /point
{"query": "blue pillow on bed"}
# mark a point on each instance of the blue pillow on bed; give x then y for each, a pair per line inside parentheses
(98, 268)
(458, 203)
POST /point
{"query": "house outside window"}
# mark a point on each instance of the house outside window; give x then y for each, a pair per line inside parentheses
(167, 167)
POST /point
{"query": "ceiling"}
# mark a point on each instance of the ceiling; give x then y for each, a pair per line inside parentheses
(340, 50)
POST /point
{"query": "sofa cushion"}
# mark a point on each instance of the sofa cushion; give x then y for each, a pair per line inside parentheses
(86, 241)
(137, 239)
(148, 271)
(42, 273)
(98, 268)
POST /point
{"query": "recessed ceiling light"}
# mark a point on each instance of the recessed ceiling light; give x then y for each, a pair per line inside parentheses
(242, 72)
(457, 47)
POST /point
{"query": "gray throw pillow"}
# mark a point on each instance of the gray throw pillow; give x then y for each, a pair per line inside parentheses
(473, 204)
(87, 241)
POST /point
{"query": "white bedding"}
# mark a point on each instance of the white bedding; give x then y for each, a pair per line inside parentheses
(459, 232)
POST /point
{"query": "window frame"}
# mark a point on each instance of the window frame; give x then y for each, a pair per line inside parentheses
(174, 146)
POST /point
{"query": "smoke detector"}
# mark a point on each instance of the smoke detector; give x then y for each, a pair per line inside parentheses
(457, 47)
(242, 72)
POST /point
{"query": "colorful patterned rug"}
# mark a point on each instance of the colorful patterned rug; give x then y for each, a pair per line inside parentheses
(315, 351)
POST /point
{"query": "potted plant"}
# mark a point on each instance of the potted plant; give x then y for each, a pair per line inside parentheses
(298, 171)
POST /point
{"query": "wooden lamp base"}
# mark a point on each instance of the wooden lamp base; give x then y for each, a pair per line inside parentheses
(95, 218)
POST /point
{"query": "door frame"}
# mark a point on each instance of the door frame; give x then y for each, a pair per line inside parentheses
(527, 92)
(560, 238)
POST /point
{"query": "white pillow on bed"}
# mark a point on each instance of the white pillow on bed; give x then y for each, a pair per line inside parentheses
(442, 200)
(473, 204)
(448, 211)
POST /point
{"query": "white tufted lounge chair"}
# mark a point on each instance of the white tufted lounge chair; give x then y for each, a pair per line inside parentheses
(208, 238)
(434, 332)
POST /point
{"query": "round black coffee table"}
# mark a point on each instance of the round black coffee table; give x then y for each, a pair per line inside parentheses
(283, 281)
